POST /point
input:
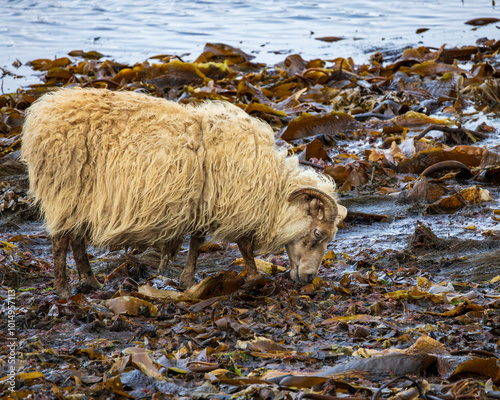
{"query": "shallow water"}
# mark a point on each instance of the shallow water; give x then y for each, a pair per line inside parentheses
(395, 232)
(132, 31)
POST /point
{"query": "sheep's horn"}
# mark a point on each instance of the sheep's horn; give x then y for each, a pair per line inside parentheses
(331, 209)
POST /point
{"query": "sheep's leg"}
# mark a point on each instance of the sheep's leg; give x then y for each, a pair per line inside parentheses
(163, 264)
(79, 249)
(60, 245)
(246, 249)
(187, 277)
(169, 251)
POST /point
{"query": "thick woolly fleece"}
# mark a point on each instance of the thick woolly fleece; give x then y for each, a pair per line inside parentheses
(128, 168)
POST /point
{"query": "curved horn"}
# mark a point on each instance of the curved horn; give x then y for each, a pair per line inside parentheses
(465, 172)
(331, 209)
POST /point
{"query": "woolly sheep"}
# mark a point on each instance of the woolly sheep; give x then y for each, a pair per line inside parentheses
(123, 168)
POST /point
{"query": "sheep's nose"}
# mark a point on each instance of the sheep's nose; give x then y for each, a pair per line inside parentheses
(310, 277)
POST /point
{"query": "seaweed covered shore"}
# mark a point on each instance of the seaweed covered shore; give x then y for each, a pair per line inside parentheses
(406, 304)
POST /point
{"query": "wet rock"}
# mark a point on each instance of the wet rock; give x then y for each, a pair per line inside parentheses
(139, 381)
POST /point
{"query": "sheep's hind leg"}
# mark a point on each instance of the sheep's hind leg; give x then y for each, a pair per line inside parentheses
(79, 248)
(60, 245)
(187, 277)
(246, 249)
(169, 252)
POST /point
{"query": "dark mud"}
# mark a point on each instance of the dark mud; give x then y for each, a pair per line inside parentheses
(79, 340)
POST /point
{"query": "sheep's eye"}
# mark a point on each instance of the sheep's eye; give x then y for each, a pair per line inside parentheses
(317, 233)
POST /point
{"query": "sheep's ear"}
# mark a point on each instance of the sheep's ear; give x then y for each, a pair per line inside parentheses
(329, 211)
(315, 208)
(341, 215)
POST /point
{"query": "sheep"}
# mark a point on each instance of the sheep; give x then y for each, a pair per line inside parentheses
(124, 168)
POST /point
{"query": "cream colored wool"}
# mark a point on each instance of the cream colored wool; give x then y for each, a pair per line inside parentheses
(127, 168)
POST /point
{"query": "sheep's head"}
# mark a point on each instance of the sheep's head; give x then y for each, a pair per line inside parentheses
(306, 252)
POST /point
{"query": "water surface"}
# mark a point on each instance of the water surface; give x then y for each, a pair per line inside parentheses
(132, 31)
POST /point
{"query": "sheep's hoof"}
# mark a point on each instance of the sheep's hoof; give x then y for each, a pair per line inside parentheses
(84, 288)
(186, 283)
(253, 277)
(87, 285)
(63, 292)
(90, 281)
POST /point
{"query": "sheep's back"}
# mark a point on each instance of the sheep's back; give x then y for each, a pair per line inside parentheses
(113, 164)
(245, 174)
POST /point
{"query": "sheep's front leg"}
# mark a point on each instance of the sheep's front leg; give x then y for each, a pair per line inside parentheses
(60, 245)
(187, 276)
(79, 248)
(169, 251)
(246, 249)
